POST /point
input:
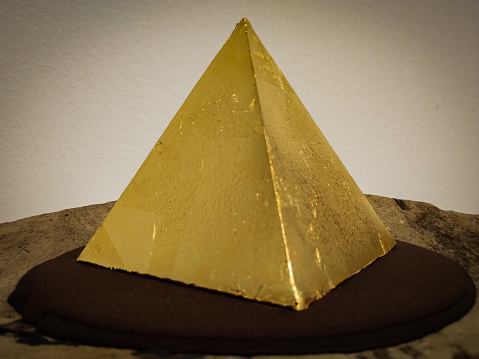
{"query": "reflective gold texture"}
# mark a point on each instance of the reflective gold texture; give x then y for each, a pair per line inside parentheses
(242, 193)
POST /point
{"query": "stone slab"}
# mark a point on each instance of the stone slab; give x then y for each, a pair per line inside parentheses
(31, 241)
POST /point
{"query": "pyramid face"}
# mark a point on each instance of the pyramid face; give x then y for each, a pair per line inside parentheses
(242, 193)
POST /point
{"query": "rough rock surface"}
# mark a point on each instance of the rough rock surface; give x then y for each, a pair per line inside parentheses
(31, 241)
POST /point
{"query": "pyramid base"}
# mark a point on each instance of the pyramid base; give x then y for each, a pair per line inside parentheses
(405, 295)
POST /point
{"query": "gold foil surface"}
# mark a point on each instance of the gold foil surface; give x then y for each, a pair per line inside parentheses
(242, 193)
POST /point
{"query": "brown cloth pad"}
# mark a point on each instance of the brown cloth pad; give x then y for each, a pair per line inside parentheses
(405, 295)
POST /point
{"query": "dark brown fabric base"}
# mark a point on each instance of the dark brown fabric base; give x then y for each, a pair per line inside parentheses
(403, 296)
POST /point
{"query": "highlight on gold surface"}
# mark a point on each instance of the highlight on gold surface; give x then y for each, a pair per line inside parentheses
(242, 193)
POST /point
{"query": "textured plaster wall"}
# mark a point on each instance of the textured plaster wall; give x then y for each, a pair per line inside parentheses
(87, 87)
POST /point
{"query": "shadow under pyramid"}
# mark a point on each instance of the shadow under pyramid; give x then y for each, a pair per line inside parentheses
(242, 193)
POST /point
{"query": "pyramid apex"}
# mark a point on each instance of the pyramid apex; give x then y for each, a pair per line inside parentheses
(244, 22)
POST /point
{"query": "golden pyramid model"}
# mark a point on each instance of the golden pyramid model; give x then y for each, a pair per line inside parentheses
(242, 193)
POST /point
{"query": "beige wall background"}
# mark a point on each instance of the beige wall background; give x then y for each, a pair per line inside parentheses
(87, 88)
